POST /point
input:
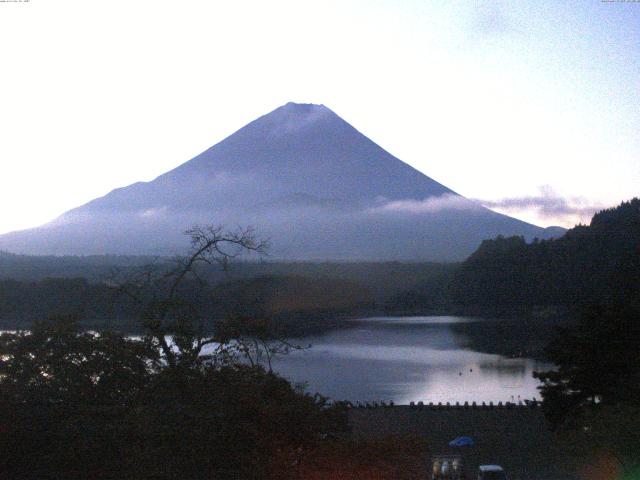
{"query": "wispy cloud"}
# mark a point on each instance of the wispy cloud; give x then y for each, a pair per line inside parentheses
(428, 205)
(548, 204)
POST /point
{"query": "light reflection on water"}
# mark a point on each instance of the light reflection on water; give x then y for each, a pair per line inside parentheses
(407, 359)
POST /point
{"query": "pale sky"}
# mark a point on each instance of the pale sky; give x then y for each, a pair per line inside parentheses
(532, 107)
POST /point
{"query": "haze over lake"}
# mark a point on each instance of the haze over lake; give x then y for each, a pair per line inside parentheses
(407, 359)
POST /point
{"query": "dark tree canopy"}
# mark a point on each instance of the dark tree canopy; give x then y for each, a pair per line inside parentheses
(64, 398)
(80, 404)
(589, 264)
(77, 404)
(593, 394)
(56, 363)
(598, 362)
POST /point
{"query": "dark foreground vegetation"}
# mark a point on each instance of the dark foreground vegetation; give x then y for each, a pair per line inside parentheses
(592, 397)
(183, 401)
(82, 405)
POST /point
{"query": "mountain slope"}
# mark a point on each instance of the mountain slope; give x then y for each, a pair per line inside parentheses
(303, 177)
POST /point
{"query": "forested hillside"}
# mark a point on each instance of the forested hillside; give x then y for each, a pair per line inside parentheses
(37, 287)
(589, 264)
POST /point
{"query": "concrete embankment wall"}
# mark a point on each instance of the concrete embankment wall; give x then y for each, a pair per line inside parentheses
(514, 436)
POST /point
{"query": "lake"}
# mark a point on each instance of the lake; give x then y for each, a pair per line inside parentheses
(407, 359)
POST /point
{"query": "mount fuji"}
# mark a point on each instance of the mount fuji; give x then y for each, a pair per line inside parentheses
(305, 179)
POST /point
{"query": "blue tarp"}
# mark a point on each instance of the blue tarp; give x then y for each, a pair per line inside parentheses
(462, 442)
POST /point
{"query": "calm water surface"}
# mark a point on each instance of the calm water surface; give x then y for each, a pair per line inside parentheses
(407, 359)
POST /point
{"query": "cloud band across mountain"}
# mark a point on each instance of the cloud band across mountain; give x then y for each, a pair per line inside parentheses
(548, 204)
(428, 205)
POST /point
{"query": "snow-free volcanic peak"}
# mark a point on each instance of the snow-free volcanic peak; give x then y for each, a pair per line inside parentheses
(302, 176)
